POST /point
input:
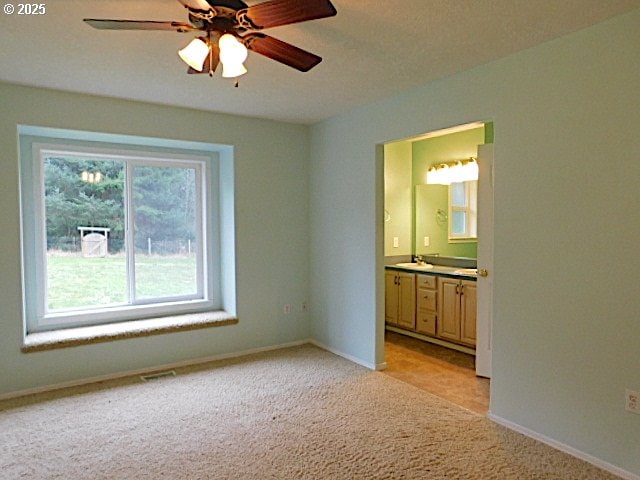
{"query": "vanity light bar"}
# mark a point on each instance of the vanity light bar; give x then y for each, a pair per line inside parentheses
(453, 172)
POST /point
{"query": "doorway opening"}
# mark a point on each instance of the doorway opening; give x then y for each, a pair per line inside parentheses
(437, 233)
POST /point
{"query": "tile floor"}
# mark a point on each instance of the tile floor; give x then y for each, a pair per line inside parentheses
(441, 371)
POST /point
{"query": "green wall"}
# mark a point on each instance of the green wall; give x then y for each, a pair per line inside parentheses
(566, 326)
(412, 204)
(398, 188)
(271, 234)
(429, 198)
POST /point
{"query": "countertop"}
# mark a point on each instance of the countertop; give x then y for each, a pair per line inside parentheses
(439, 270)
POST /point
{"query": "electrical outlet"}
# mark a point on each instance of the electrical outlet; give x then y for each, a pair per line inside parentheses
(396, 242)
(632, 403)
(287, 309)
(426, 241)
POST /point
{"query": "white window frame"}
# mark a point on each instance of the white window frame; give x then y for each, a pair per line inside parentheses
(207, 297)
(470, 209)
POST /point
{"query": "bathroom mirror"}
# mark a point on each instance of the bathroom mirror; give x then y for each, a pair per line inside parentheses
(431, 223)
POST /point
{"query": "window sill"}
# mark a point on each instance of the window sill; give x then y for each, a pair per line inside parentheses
(72, 337)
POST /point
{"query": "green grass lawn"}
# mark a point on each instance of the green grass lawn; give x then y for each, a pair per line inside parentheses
(75, 281)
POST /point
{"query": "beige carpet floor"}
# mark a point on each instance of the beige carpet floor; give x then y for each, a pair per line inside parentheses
(299, 413)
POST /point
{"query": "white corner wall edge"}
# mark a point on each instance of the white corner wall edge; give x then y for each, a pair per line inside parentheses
(351, 358)
(564, 448)
(144, 371)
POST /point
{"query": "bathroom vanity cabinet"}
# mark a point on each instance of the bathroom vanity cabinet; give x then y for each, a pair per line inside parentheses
(439, 304)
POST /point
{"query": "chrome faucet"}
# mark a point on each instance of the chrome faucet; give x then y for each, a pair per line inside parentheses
(419, 260)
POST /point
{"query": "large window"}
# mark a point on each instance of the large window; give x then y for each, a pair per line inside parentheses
(111, 234)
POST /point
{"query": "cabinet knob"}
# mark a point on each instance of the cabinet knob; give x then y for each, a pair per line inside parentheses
(483, 272)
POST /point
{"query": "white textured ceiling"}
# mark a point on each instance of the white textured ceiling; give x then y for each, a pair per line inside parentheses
(371, 49)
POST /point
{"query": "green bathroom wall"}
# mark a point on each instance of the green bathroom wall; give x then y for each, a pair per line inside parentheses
(428, 199)
(488, 132)
(398, 199)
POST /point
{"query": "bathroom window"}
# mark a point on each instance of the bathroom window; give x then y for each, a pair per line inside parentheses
(463, 211)
(111, 234)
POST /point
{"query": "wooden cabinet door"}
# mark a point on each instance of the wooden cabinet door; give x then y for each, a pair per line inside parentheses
(468, 313)
(407, 300)
(391, 297)
(449, 309)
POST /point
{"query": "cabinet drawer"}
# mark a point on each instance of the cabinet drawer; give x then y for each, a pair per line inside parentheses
(426, 323)
(427, 299)
(427, 281)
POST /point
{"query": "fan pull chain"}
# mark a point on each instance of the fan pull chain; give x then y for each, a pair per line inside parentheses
(237, 83)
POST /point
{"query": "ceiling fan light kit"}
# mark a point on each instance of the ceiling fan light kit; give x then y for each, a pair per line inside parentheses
(195, 53)
(232, 28)
(233, 53)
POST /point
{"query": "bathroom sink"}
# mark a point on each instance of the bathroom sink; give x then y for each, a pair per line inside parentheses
(422, 266)
(467, 271)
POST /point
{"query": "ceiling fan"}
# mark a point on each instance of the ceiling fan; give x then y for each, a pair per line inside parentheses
(230, 28)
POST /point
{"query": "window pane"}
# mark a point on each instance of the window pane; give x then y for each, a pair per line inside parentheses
(458, 224)
(164, 203)
(458, 195)
(84, 210)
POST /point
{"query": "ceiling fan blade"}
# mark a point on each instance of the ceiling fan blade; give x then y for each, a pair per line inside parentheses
(196, 4)
(105, 24)
(210, 63)
(284, 12)
(280, 51)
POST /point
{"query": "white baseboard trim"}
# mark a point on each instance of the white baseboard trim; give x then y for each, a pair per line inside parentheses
(626, 475)
(435, 341)
(148, 370)
(351, 358)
